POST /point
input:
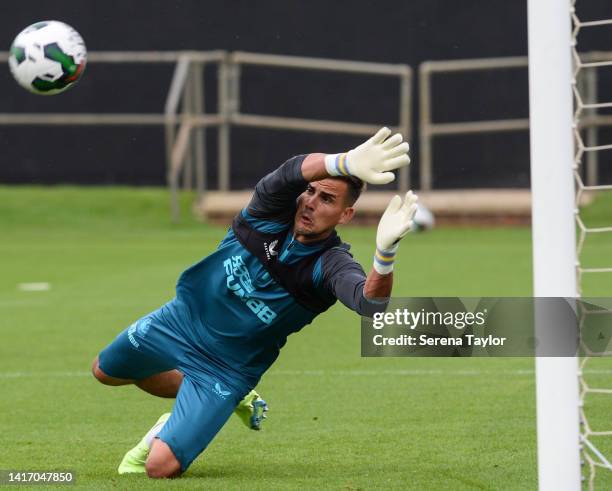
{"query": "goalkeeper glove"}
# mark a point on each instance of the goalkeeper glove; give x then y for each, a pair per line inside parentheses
(373, 160)
(393, 226)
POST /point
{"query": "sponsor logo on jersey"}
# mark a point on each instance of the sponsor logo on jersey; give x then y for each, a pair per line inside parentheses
(238, 280)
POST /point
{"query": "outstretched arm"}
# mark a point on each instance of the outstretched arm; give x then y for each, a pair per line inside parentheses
(373, 161)
(393, 226)
(378, 285)
(345, 278)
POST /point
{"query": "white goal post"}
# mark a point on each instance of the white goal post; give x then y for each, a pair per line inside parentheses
(554, 242)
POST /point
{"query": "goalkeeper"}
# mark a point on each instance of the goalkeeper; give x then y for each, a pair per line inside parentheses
(280, 265)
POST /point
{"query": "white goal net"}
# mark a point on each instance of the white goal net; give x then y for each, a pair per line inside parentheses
(595, 373)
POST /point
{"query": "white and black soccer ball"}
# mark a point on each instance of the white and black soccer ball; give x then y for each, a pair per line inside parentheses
(423, 219)
(47, 57)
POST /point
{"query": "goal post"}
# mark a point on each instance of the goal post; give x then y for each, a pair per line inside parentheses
(553, 229)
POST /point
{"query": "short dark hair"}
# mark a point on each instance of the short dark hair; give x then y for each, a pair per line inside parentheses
(355, 187)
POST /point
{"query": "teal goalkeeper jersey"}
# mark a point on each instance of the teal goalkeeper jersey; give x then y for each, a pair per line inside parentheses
(242, 315)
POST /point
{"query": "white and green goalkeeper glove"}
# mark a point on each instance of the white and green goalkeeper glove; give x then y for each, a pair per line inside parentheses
(373, 160)
(393, 226)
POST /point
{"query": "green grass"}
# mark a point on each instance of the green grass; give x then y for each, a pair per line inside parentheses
(337, 421)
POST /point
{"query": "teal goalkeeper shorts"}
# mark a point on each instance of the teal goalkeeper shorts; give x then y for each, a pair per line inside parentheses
(162, 341)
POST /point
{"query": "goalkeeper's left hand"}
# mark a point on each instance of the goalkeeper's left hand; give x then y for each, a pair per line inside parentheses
(393, 226)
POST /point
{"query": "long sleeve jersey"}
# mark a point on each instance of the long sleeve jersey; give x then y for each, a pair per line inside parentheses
(243, 315)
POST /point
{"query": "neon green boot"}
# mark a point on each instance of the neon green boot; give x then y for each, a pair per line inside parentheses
(252, 410)
(134, 461)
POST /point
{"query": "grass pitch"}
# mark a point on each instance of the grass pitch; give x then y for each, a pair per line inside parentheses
(337, 421)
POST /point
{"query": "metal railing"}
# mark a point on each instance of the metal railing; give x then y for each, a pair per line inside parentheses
(403, 72)
(184, 113)
(428, 129)
(183, 147)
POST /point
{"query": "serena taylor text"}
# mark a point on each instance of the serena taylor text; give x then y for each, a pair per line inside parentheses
(425, 340)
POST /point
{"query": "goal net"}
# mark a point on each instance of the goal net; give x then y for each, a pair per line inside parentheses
(594, 372)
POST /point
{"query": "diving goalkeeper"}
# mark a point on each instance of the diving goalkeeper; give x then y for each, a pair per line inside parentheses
(280, 265)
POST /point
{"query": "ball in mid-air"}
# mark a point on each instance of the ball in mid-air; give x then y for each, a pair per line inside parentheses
(423, 219)
(47, 57)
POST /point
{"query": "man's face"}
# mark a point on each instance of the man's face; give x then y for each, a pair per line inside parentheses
(320, 208)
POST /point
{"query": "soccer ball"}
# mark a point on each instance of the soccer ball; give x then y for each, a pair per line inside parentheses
(423, 219)
(48, 57)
